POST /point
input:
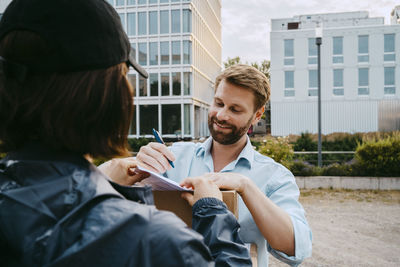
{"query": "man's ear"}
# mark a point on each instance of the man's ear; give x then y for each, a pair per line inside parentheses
(259, 114)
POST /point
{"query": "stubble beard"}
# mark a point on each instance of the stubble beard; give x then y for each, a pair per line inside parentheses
(227, 138)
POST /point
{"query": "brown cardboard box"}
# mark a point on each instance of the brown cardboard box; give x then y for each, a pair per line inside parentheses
(172, 201)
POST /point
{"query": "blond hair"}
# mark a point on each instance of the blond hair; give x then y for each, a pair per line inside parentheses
(249, 78)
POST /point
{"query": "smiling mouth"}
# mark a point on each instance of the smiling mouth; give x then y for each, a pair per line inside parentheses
(221, 126)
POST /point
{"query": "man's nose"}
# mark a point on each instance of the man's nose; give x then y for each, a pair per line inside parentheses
(222, 114)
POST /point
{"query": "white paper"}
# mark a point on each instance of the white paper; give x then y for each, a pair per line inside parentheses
(160, 183)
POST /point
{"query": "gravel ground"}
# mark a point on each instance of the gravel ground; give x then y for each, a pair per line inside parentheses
(352, 228)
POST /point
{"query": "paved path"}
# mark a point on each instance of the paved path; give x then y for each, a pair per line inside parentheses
(352, 228)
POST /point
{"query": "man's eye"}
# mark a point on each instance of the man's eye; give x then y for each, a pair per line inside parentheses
(235, 110)
(219, 104)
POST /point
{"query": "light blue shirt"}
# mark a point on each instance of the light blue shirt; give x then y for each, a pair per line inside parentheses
(277, 182)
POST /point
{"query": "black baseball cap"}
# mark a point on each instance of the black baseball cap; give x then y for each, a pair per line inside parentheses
(82, 34)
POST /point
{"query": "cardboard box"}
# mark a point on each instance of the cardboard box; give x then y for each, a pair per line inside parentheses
(172, 201)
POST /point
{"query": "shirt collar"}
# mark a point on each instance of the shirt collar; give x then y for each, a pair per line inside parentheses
(247, 154)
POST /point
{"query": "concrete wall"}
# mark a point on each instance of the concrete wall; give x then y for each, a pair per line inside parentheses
(366, 183)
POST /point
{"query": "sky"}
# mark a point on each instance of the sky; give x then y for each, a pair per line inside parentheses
(246, 24)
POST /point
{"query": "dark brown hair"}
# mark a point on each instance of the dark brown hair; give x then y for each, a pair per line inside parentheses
(86, 112)
(249, 78)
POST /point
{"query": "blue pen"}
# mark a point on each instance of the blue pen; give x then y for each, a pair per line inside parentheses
(160, 140)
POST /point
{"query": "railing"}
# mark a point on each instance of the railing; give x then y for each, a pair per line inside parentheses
(328, 158)
(324, 152)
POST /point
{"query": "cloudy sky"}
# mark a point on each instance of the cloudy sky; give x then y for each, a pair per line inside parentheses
(246, 23)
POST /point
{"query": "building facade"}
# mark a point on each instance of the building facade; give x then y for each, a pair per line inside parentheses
(360, 74)
(179, 43)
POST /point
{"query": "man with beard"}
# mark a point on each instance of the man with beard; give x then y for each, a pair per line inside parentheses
(269, 212)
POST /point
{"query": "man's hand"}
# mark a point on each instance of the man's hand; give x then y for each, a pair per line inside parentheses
(123, 171)
(154, 157)
(229, 181)
(202, 186)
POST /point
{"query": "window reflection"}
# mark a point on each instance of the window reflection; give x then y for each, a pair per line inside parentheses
(148, 118)
(171, 119)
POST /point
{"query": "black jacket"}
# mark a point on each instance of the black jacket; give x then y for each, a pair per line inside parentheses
(57, 209)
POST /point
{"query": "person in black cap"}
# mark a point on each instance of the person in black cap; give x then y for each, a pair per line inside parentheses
(64, 96)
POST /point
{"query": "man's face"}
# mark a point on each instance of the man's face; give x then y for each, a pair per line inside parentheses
(231, 113)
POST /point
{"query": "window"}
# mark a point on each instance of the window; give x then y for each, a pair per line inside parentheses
(153, 17)
(133, 50)
(122, 18)
(187, 20)
(142, 54)
(186, 125)
(109, 1)
(390, 88)
(187, 55)
(142, 2)
(142, 30)
(289, 83)
(363, 81)
(120, 2)
(176, 83)
(164, 21)
(312, 83)
(363, 49)
(153, 1)
(176, 52)
(289, 52)
(338, 89)
(186, 83)
(164, 84)
(312, 51)
(389, 52)
(337, 50)
(153, 47)
(164, 50)
(142, 86)
(153, 84)
(131, 23)
(175, 21)
(164, 1)
(171, 119)
(148, 118)
(131, 2)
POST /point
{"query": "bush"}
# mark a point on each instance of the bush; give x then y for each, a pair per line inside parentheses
(305, 143)
(301, 168)
(337, 170)
(136, 143)
(379, 157)
(278, 149)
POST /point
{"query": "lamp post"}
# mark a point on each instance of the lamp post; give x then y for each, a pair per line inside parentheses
(318, 42)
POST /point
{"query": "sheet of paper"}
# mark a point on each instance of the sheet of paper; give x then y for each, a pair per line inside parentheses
(160, 183)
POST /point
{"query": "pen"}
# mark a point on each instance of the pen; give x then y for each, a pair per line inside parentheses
(160, 140)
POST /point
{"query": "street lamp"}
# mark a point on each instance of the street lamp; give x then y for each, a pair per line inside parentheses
(318, 42)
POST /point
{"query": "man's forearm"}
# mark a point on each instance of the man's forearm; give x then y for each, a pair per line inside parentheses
(273, 222)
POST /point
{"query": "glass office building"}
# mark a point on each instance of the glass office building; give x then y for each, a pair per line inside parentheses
(179, 43)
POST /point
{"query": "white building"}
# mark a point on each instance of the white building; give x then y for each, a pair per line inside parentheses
(179, 43)
(360, 74)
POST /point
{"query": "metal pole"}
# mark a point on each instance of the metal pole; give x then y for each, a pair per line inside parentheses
(318, 42)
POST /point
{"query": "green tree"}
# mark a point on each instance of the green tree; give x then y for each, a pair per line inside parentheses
(232, 61)
(264, 67)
